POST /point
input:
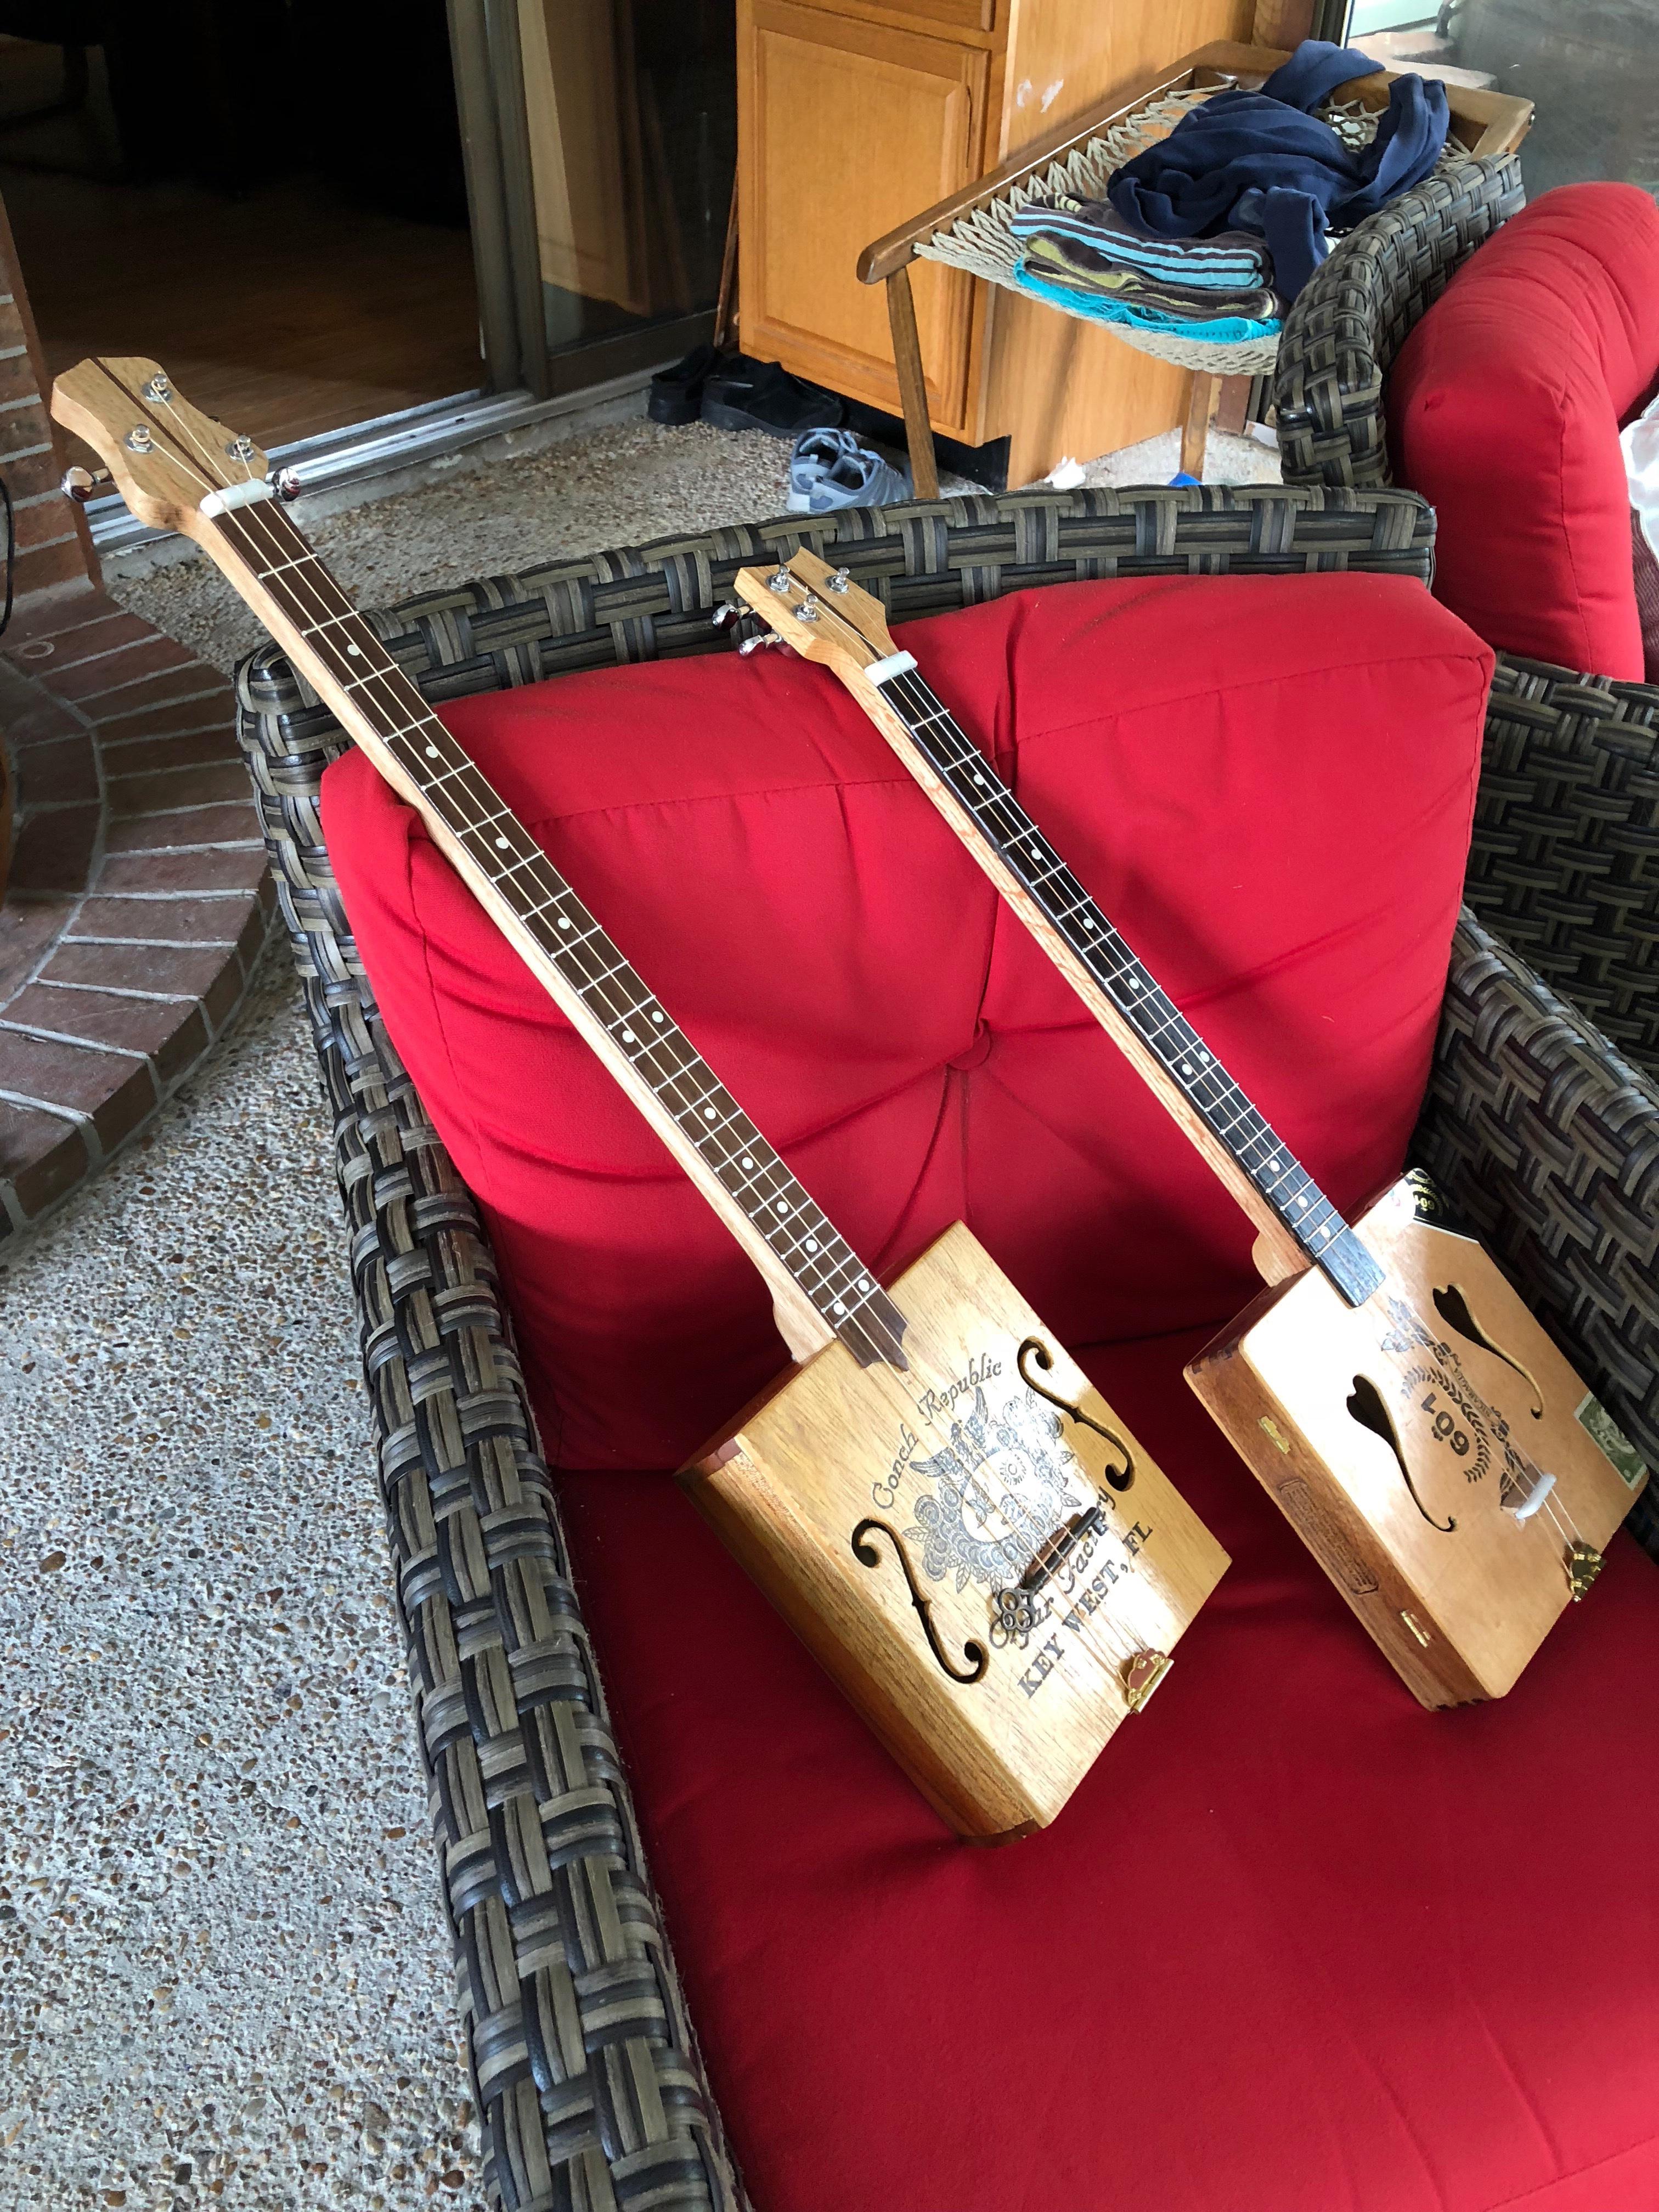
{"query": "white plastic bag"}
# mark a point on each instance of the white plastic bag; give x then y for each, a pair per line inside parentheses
(1639, 443)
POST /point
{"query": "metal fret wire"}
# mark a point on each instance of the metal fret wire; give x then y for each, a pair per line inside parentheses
(1153, 1015)
(708, 1115)
(841, 1287)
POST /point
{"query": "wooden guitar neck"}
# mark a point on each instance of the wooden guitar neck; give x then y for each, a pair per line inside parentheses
(178, 466)
(828, 619)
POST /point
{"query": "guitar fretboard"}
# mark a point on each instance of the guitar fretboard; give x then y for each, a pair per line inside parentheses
(1031, 858)
(387, 705)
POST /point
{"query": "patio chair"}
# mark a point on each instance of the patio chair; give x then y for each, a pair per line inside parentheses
(589, 2080)
(1565, 863)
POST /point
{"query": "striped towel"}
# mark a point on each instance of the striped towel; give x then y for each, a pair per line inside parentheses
(1103, 307)
(1061, 262)
(1092, 233)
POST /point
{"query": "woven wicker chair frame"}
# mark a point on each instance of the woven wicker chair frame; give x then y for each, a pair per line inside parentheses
(1566, 865)
(590, 2089)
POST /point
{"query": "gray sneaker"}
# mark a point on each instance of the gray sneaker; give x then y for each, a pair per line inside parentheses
(835, 468)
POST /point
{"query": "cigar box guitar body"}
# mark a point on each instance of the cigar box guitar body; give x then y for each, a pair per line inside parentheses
(972, 1542)
(1419, 1428)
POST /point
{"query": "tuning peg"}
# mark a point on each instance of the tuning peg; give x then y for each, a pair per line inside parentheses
(765, 640)
(286, 484)
(839, 582)
(728, 611)
(82, 485)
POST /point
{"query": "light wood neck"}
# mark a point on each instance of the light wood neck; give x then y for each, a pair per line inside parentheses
(828, 619)
(820, 1285)
(179, 469)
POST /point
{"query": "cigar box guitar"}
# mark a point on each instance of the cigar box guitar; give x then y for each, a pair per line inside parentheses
(1419, 1429)
(962, 1529)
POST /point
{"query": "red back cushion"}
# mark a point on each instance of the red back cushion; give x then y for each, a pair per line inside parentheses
(1504, 410)
(1268, 785)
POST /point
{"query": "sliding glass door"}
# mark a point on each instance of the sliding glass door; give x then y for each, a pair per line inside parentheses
(601, 139)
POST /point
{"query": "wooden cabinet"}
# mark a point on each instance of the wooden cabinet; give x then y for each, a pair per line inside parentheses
(853, 117)
(846, 126)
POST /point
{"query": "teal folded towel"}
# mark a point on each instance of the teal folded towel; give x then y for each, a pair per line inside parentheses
(1225, 330)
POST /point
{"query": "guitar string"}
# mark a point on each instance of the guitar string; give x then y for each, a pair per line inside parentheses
(1315, 1231)
(919, 706)
(257, 526)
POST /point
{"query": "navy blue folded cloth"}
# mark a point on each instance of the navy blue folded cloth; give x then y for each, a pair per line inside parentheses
(1260, 161)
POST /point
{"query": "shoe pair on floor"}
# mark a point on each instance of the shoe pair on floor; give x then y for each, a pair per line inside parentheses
(735, 393)
(830, 467)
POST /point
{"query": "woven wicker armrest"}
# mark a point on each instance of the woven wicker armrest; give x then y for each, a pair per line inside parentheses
(1348, 323)
(1565, 860)
(1546, 1144)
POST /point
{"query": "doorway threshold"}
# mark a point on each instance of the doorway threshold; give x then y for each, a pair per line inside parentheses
(338, 469)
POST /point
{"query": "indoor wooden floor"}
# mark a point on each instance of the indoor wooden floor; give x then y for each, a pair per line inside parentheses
(284, 313)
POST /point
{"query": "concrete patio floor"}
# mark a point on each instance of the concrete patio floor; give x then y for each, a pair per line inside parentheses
(224, 1973)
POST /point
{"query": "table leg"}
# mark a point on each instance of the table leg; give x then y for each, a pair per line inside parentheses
(913, 390)
(1203, 392)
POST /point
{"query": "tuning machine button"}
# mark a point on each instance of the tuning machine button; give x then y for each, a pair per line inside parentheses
(82, 485)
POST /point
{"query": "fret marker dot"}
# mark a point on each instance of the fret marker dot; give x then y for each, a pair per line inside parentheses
(864, 1282)
(1302, 1201)
(656, 1018)
(627, 1037)
(355, 651)
(709, 1114)
(811, 1243)
(1185, 1069)
(1273, 1166)
(745, 1162)
(432, 752)
(840, 1306)
(563, 924)
(501, 842)
(783, 1206)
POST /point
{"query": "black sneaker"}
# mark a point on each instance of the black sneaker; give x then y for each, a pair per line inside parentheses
(756, 395)
(676, 392)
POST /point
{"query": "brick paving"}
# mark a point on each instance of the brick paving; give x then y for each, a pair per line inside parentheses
(137, 899)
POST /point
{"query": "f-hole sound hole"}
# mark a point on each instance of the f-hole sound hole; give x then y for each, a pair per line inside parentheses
(1454, 1309)
(1366, 1407)
(865, 1553)
(1034, 1353)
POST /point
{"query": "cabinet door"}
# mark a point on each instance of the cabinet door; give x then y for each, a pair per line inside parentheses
(846, 129)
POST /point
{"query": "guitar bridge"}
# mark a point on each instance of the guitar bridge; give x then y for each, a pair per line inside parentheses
(1054, 1552)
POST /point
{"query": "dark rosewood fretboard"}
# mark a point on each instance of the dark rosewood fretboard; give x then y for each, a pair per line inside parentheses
(390, 707)
(1144, 1005)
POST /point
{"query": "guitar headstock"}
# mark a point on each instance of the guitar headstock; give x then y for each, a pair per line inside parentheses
(164, 456)
(820, 611)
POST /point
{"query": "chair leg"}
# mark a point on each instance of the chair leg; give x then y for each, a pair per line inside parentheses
(913, 389)
(1203, 392)
(724, 335)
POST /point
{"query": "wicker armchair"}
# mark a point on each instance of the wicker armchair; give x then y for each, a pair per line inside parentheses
(588, 2080)
(1566, 860)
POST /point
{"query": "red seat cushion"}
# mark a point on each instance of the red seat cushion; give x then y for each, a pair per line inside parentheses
(1504, 410)
(1268, 783)
(1294, 1946)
